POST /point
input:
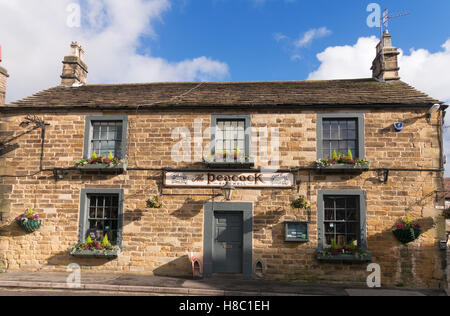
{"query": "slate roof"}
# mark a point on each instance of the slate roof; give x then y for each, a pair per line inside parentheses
(355, 92)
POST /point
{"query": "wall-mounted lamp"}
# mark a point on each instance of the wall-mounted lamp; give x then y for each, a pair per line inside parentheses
(432, 110)
(384, 176)
(59, 174)
(228, 191)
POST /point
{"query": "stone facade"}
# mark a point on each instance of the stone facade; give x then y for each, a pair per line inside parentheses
(158, 240)
(3, 77)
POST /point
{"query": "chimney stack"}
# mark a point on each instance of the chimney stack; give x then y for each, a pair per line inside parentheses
(385, 66)
(3, 76)
(74, 69)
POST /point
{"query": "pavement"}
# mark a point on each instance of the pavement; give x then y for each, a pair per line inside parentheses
(214, 286)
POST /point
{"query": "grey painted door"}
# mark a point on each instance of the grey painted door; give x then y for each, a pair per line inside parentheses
(227, 243)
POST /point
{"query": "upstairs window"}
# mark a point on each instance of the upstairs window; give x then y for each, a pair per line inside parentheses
(230, 137)
(340, 132)
(340, 135)
(105, 135)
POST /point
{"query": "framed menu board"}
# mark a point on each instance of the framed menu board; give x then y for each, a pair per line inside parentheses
(296, 231)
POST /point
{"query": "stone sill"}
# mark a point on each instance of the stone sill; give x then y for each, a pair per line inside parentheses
(346, 168)
(121, 167)
(95, 253)
(344, 258)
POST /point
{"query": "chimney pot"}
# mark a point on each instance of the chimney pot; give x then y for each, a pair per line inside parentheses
(74, 69)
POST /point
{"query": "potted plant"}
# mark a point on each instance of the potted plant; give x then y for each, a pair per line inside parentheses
(342, 162)
(407, 230)
(29, 221)
(301, 202)
(349, 253)
(92, 248)
(97, 162)
(154, 202)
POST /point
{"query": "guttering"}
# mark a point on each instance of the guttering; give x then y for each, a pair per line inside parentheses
(274, 107)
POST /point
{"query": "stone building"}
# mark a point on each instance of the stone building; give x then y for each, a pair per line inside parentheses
(226, 160)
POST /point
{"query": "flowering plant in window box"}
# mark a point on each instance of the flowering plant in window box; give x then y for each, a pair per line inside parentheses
(154, 202)
(235, 157)
(407, 230)
(301, 202)
(348, 252)
(92, 248)
(97, 162)
(29, 221)
(342, 162)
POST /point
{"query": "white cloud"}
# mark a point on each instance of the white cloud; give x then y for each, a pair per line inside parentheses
(346, 62)
(35, 38)
(311, 35)
(424, 70)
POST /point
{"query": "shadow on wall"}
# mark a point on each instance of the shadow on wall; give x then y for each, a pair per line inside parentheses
(6, 149)
(189, 209)
(178, 267)
(12, 230)
(132, 216)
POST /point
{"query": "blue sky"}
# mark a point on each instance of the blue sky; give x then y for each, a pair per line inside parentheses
(241, 32)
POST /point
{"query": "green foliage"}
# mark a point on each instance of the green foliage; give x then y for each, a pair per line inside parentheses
(349, 154)
(89, 240)
(105, 242)
(154, 202)
(335, 156)
(334, 244)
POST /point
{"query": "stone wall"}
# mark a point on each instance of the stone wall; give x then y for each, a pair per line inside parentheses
(3, 77)
(158, 240)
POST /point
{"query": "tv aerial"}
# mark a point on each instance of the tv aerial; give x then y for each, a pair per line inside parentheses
(384, 21)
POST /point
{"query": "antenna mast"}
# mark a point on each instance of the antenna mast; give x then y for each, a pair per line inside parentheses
(384, 21)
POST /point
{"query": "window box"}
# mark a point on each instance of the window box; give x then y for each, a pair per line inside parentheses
(323, 256)
(341, 167)
(95, 253)
(237, 163)
(121, 167)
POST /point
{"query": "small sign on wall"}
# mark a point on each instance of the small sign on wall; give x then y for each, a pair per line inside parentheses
(296, 231)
